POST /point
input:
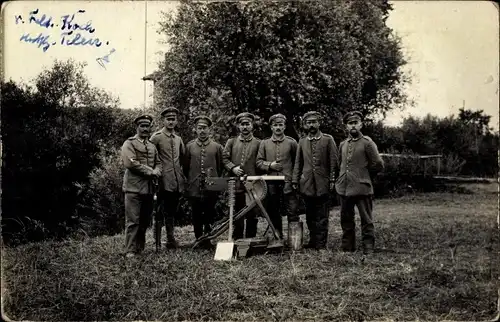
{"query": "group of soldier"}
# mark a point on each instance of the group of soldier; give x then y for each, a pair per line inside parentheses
(314, 169)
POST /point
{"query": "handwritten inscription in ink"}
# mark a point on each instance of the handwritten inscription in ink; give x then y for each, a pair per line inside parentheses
(70, 30)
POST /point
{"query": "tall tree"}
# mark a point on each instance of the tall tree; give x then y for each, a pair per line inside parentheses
(268, 57)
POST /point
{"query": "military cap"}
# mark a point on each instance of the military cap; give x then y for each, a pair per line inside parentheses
(170, 111)
(145, 118)
(352, 115)
(277, 116)
(245, 116)
(203, 119)
(311, 114)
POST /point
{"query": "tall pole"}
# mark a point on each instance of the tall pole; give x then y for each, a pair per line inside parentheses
(145, 44)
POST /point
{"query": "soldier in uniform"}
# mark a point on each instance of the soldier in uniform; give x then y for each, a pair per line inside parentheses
(314, 174)
(239, 157)
(171, 150)
(276, 156)
(143, 168)
(203, 158)
(360, 161)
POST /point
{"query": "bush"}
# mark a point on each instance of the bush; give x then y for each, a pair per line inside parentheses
(101, 207)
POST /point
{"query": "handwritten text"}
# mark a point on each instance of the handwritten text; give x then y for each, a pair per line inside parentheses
(42, 40)
(74, 31)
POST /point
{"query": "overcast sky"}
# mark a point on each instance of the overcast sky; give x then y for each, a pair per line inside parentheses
(452, 49)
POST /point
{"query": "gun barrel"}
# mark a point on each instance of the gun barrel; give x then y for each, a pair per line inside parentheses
(265, 178)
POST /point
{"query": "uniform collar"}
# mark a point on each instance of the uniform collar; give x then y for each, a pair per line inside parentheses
(166, 133)
(354, 139)
(200, 143)
(316, 137)
(250, 137)
(275, 139)
(143, 141)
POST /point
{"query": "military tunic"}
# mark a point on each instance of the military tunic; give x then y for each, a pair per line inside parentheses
(240, 151)
(171, 150)
(140, 158)
(315, 167)
(281, 198)
(202, 159)
(282, 151)
(360, 161)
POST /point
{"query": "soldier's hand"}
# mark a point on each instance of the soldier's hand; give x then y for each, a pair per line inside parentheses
(332, 186)
(295, 186)
(157, 173)
(276, 166)
(238, 171)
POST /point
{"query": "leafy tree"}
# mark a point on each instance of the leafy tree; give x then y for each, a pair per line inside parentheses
(53, 135)
(269, 57)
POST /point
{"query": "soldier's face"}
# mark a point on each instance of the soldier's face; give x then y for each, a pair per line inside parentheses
(170, 122)
(245, 127)
(311, 125)
(278, 127)
(143, 130)
(202, 131)
(354, 126)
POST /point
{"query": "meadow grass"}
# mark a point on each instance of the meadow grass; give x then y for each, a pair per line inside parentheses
(436, 259)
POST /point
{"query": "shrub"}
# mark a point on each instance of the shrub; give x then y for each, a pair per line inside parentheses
(101, 207)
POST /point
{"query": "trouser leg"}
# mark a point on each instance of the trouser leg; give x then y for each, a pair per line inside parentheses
(239, 225)
(310, 220)
(251, 224)
(146, 211)
(209, 202)
(365, 207)
(170, 204)
(347, 223)
(291, 205)
(321, 222)
(132, 214)
(274, 202)
(197, 216)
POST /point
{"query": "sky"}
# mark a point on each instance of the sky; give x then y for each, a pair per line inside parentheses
(452, 49)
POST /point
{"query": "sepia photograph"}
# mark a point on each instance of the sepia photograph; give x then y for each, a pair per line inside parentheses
(250, 160)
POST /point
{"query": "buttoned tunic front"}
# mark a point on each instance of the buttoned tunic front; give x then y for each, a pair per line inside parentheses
(240, 151)
(171, 151)
(140, 158)
(202, 158)
(360, 160)
(315, 164)
(281, 150)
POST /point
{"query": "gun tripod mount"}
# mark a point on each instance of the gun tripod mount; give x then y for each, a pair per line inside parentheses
(255, 188)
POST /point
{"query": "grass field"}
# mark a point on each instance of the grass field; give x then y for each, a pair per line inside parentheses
(436, 259)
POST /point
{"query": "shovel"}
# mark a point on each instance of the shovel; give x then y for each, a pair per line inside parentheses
(225, 250)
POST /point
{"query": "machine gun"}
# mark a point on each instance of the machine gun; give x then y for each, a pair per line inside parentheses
(255, 188)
